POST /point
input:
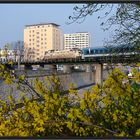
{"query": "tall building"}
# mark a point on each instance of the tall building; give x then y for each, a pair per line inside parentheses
(77, 40)
(39, 38)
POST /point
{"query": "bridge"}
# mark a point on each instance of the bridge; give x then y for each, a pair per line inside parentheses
(103, 59)
(98, 62)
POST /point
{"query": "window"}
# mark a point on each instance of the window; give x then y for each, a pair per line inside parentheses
(96, 51)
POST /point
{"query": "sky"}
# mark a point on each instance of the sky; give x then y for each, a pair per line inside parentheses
(14, 17)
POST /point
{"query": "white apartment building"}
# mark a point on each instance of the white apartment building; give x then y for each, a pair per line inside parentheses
(39, 38)
(77, 40)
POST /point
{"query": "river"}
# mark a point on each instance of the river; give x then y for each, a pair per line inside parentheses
(83, 80)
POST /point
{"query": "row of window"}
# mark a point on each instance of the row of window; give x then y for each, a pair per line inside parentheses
(33, 31)
(37, 44)
(85, 46)
(37, 32)
(76, 35)
(41, 35)
(40, 45)
(37, 38)
(75, 43)
(76, 39)
(38, 26)
(34, 35)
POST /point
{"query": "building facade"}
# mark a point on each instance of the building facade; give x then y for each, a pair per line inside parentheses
(39, 38)
(77, 40)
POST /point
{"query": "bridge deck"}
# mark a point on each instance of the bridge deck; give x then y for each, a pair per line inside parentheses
(92, 60)
(105, 59)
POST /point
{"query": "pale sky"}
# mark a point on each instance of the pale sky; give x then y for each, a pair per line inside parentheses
(15, 16)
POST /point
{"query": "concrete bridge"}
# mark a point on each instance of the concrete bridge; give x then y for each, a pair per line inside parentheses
(88, 63)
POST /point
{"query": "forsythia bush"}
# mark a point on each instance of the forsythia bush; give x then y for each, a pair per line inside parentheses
(110, 109)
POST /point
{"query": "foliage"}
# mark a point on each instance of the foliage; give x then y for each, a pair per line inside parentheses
(110, 109)
(125, 16)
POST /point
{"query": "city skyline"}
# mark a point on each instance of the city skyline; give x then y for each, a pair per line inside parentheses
(16, 16)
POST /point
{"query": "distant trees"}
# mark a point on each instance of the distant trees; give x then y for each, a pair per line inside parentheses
(28, 53)
(12, 51)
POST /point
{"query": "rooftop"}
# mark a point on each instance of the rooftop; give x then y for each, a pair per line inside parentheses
(82, 32)
(77, 33)
(42, 24)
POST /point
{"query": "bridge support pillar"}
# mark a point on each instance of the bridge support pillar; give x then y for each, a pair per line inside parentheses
(98, 73)
(67, 68)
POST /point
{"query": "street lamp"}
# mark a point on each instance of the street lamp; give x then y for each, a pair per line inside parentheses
(18, 49)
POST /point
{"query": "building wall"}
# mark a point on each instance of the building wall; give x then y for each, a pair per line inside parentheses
(40, 38)
(77, 40)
